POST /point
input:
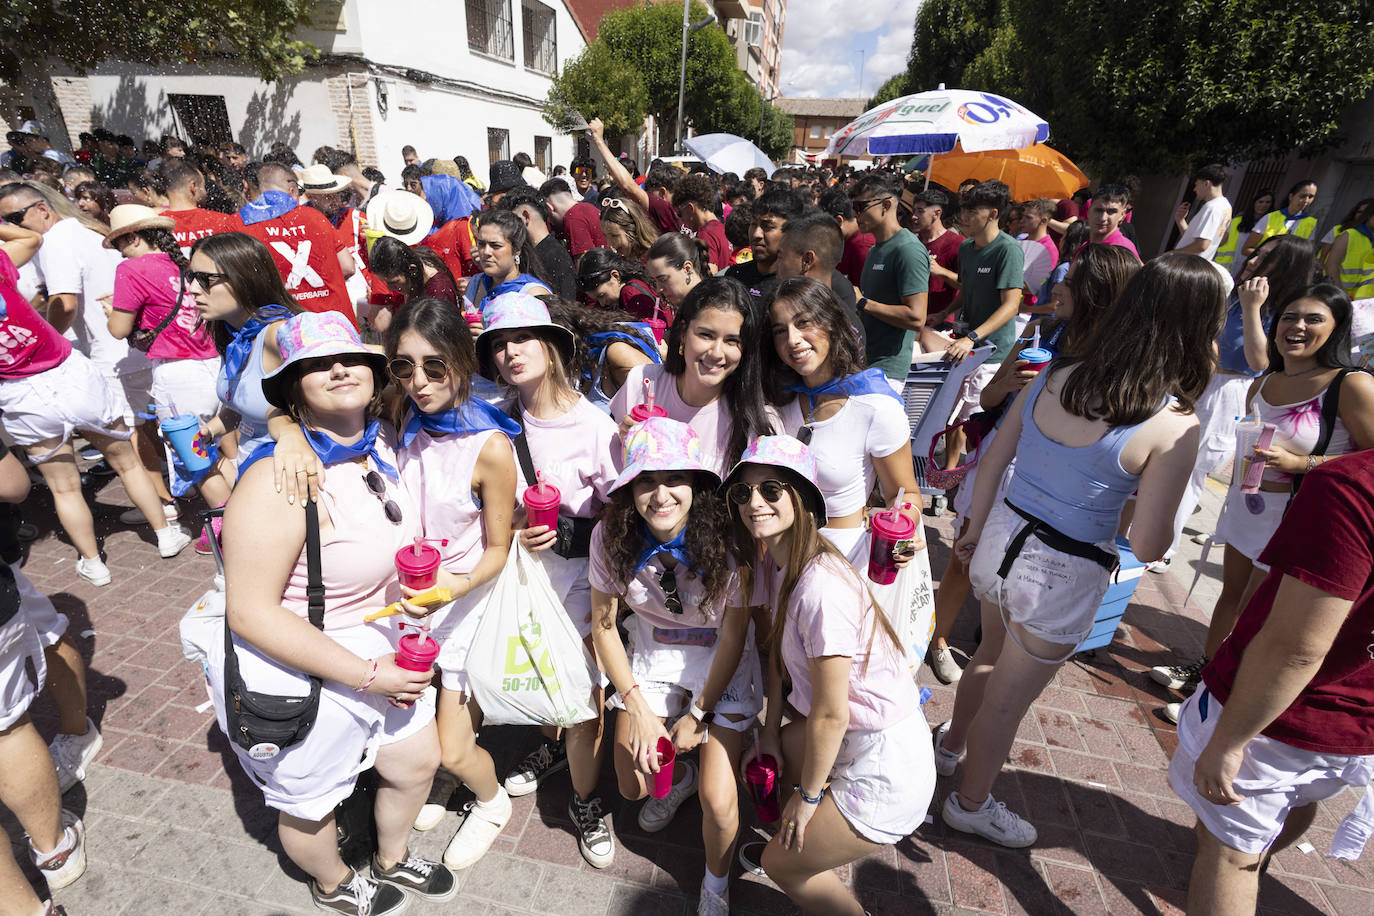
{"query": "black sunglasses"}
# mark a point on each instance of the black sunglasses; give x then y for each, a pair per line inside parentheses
(378, 487)
(327, 363)
(207, 279)
(771, 490)
(402, 368)
(667, 581)
(17, 217)
(861, 206)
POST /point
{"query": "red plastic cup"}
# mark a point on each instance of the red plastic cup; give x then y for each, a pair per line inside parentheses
(1038, 357)
(890, 529)
(658, 326)
(413, 654)
(541, 505)
(641, 412)
(761, 776)
(418, 566)
(663, 779)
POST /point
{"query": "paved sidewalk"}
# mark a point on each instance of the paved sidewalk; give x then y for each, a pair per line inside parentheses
(174, 828)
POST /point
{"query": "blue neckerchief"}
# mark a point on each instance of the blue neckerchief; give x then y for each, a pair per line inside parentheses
(331, 452)
(1287, 216)
(676, 548)
(599, 341)
(270, 205)
(1363, 229)
(472, 417)
(505, 286)
(237, 353)
(869, 381)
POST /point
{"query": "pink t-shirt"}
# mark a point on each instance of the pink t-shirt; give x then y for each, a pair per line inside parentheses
(28, 344)
(712, 422)
(436, 473)
(574, 452)
(1113, 238)
(828, 615)
(147, 287)
(643, 595)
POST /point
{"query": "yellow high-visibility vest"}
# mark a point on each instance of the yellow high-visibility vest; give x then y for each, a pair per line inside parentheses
(1357, 267)
(1226, 254)
(1275, 221)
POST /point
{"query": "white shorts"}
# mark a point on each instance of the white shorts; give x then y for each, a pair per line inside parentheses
(963, 499)
(1052, 594)
(1246, 532)
(908, 601)
(39, 610)
(20, 645)
(133, 388)
(307, 780)
(569, 580)
(187, 383)
(966, 405)
(1274, 777)
(882, 781)
(671, 666)
(70, 396)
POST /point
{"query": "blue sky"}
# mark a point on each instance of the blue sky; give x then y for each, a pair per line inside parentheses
(817, 64)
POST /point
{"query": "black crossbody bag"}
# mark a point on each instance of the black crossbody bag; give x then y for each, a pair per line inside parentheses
(142, 340)
(269, 722)
(574, 538)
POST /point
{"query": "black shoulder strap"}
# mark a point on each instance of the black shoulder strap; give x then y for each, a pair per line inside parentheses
(314, 589)
(176, 307)
(522, 445)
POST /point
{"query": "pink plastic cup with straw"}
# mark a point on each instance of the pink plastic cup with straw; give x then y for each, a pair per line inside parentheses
(418, 565)
(416, 651)
(761, 776)
(641, 412)
(892, 534)
(657, 324)
(541, 503)
(663, 779)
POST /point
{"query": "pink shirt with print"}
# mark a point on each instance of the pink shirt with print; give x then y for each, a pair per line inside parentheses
(28, 344)
(147, 286)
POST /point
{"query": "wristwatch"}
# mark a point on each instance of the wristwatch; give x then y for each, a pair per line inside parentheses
(704, 716)
(973, 336)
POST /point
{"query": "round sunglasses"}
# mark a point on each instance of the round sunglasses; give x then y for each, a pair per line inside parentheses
(402, 368)
(771, 491)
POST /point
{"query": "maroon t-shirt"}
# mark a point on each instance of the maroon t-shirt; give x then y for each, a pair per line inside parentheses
(582, 229)
(663, 215)
(1325, 542)
(721, 251)
(1065, 209)
(945, 252)
(855, 253)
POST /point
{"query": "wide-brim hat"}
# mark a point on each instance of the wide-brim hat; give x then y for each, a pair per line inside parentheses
(317, 179)
(34, 129)
(401, 215)
(127, 218)
(504, 175)
(796, 463)
(520, 310)
(310, 335)
(662, 444)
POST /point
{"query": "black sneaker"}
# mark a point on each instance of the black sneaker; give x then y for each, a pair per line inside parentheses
(593, 836)
(101, 469)
(359, 896)
(1179, 677)
(549, 758)
(420, 876)
(750, 857)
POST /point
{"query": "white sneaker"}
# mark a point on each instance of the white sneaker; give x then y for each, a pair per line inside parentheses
(481, 825)
(67, 862)
(945, 667)
(710, 904)
(946, 762)
(72, 753)
(429, 817)
(172, 540)
(1170, 712)
(134, 516)
(657, 813)
(1158, 566)
(93, 571)
(994, 821)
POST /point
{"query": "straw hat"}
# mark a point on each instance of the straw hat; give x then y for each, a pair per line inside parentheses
(401, 215)
(127, 218)
(317, 179)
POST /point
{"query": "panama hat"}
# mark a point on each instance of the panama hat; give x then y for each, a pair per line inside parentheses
(317, 179)
(401, 215)
(127, 218)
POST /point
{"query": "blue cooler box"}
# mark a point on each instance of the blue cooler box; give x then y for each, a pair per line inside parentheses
(1114, 603)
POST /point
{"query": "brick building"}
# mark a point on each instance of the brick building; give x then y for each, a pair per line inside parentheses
(816, 120)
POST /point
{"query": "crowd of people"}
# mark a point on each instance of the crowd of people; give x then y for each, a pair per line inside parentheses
(708, 370)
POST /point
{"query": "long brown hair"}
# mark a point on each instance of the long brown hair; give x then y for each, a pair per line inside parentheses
(815, 301)
(1099, 274)
(1155, 341)
(444, 328)
(253, 276)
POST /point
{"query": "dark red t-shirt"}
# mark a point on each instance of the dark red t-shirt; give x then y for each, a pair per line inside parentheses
(945, 252)
(452, 242)
(1324, 541)
(582, 229)
(639, 300)
(195, 224)
(305, 247)
(855, 253)
(1065, 209)
(721, 251)
(663, 215)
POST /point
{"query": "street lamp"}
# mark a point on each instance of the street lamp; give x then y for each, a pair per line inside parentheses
(688, 27)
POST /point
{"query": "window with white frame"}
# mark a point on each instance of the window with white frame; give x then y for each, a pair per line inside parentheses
(815, 131)
(543, 153)
(490, 28)
(753, 30)
(541, 36)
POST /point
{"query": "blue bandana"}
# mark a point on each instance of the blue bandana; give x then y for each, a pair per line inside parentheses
(450, 198)
(329, 451)
(236, 354)
(270, 205)
(869, 381)
(676, 548)
(474, 416)
(506, 286)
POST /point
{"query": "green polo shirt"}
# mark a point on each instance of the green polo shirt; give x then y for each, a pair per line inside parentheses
(895, 268)
(983, 274)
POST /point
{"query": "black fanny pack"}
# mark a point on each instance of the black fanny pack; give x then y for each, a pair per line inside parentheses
(265, 724)
(1055, 539)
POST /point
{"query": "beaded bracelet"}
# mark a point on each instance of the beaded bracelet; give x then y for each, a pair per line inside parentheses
(371, 676)
(807, 798)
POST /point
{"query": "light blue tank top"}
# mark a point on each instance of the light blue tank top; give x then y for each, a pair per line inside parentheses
(1079, 491)
(248, 401)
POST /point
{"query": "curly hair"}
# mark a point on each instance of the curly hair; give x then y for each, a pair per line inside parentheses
(585, 367)
(707, 541)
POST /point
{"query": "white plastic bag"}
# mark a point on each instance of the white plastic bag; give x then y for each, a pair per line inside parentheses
(527, 664)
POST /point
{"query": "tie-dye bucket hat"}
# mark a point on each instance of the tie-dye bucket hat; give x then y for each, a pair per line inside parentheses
(314, 334)
(795, 462)
(661, 444)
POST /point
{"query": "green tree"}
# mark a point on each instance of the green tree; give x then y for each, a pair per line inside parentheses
(894, 88)
(776, 137)
(640, 49)
(948, 37)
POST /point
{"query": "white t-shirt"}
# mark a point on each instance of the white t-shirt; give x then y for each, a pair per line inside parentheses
(1211, 222)
(867, 426)
(73, 259)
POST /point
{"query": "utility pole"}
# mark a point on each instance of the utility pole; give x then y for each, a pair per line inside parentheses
(688, 27)
(862, 52)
